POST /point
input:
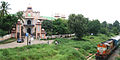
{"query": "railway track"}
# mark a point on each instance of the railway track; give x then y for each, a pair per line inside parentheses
(114, 54)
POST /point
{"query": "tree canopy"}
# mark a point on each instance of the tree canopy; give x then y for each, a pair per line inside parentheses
(7, 21)
(78, 25)
(48, 26)
(94, 26)
(3, 8)
(81, 26)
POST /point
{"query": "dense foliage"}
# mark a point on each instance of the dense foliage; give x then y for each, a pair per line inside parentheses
(3, 8)
(93, 27)
(7, 21)
(82, 26)
(58, 26)
(78, 25)
(48, 26)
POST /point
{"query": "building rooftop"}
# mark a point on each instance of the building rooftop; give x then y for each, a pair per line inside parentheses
(48, 18)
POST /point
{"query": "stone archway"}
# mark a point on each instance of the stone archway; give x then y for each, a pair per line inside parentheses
(29, 30)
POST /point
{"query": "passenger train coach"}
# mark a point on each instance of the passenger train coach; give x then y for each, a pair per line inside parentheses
(104, 49)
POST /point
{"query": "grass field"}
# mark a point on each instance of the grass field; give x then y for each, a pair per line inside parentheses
(67, 49)
(8, 41)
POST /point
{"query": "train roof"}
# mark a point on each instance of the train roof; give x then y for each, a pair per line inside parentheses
(116, 38)
(108, 41)
(107, 44)
(112, 39)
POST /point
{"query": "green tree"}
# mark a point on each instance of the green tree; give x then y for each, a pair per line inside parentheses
(104, 29)
(104, 24)
(110, 27)
(115, 30)
(117, 25)
(48, 26)
(66, 28)
(7, 22)
(94, 27)
(78, 25)
(2, 32)
(60, 26)
(4, 8)
(20, 16)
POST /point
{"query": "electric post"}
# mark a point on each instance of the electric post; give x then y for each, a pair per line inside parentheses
(27, 37)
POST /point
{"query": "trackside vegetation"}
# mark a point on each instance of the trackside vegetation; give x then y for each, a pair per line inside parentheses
(67, 49)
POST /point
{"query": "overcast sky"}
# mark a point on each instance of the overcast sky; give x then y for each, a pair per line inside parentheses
(104, 10)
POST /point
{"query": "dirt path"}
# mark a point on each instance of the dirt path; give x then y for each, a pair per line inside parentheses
(15, 44)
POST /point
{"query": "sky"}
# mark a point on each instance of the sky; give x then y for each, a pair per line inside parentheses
(103, 10)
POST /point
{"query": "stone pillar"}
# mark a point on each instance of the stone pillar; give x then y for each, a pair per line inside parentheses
(38, 29)
(13, 32)
(18, 29)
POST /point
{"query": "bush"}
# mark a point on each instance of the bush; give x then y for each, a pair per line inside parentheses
(2, 32)
(5, 52)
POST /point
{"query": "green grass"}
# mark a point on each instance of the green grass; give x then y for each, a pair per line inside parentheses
(65, 50)
(8, 41)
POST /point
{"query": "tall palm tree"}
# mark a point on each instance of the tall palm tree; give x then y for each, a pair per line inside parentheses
(4, 8)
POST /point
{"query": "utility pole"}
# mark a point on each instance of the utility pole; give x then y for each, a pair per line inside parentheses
(27, 40)
(27, 37)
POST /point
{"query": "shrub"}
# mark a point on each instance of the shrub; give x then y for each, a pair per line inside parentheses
(5, 52)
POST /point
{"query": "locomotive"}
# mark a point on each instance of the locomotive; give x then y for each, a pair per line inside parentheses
(104, 49)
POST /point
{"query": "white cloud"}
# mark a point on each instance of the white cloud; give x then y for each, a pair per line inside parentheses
(104, 10)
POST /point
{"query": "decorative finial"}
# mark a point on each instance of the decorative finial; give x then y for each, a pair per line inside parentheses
(38, 21)
(18, 20)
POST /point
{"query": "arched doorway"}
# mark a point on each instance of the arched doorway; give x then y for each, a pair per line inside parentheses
(29, 30)
(28, 22)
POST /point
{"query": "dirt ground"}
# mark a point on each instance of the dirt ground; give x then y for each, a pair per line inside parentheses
(15, 44)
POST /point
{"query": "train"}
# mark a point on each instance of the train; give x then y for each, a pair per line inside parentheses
(105, 49)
